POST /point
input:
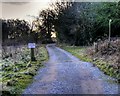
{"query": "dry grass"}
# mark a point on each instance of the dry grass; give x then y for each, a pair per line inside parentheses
(107, 57)
(109, 53)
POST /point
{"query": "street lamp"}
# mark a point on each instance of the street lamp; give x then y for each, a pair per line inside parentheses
(109, 29)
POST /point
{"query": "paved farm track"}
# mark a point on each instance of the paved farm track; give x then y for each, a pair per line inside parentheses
(66, 74)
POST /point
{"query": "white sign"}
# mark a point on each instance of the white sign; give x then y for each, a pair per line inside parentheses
(31, 45)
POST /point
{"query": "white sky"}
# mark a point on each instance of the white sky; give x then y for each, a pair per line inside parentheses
(20, 10)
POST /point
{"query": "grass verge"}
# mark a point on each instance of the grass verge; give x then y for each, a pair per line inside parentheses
(80, 52)
(18, 72)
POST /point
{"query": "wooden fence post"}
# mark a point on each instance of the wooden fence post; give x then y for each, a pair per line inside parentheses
(96, 47)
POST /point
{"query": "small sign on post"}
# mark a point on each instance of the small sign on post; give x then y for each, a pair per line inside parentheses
(32, 46)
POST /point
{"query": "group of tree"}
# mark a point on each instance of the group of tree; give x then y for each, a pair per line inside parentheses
(82, 23)
(13, 30)
(76, 23)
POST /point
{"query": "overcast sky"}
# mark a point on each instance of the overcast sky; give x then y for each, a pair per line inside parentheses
(20, 10)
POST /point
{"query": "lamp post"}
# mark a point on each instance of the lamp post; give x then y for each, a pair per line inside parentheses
(109, 30)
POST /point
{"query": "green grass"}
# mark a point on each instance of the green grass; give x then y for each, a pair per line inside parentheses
(78, 52)
(17, 76)
(102, 65)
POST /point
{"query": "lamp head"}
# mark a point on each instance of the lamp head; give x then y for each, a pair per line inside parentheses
(110, 20)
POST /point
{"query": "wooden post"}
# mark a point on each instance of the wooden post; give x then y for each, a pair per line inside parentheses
(96, 47)
(32, 47)
(32, 55)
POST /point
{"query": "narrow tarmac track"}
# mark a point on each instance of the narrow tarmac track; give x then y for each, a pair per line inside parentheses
(66, 74)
